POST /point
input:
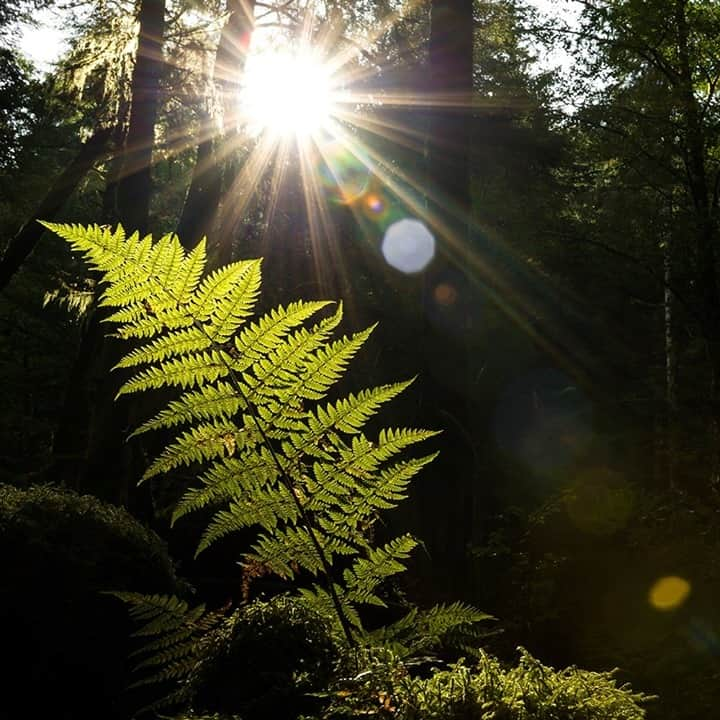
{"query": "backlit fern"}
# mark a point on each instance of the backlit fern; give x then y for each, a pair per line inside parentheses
(178, 642)
(252, 415)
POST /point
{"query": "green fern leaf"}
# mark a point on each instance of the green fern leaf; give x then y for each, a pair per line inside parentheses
(366, 574)
(236, 304)
(171, 344)
(201, 443)
(191, 371)
(261, 338)
(218, 401)
(247, 415)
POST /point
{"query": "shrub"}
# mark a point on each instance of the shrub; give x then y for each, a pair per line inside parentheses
(65, 641)
(280, 651)
(486, 691)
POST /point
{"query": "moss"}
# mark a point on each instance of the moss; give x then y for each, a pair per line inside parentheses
(67, 642)
(279, 653)
(487, 690)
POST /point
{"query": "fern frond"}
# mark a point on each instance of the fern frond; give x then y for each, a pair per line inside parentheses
(262, 337)
(201, 443)
(367, 573)
(178, 640)
(236, 304)
(268, 509)
(392, 482)
(327, 366)
(280, 366)
(183, 284)
(363, 457)
(320, 600)
(177, 342)
(210, 296)
(190, 371)
(152, 323)
(350, 414)
(457, 625)
(285, 551)
(248, 415)
(218, 401)
(227, 479)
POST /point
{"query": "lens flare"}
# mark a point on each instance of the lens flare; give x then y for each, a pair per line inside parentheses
(373, 204)
(408, 246)
(445, 294)
(669, 593)
(343, 174)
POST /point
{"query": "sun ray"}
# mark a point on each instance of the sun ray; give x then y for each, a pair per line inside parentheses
(337, 79)
(244, 186)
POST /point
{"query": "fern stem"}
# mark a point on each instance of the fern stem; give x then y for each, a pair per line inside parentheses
(289, 486)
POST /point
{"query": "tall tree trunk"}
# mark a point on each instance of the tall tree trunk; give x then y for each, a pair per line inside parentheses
(111, 464)
(215, 166)
(200, 207)
(670, 368)
(450, 83)
(232, 65)
(70, 439)
(135, 186)
(448, 196)
(706, 229)
(27, 237)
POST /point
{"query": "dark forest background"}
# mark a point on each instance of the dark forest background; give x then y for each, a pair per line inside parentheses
(566, 333)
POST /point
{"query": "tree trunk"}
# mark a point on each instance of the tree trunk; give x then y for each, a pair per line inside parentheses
(450, 84)
(201, 201)
(670, 369)
(135, 186)
(215, 155)
(706, 231)
(448, 197)
(111, 464)
(25, 240)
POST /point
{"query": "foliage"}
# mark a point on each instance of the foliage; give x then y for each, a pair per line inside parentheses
(178, 642)
(453, 627)
(261, 658)
(67, 641)
(487, 691)
(280, 651)
(304, 472)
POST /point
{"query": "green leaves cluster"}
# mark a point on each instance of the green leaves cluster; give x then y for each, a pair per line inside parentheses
(484, 691)
(252, 415)
(178, 641)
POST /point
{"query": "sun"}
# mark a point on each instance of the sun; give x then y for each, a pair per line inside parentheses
(286, 93)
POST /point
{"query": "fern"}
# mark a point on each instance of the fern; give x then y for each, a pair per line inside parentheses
(178, 642)
(454, 626)
(252, 418)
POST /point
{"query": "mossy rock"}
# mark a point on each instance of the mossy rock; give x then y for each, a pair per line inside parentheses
(281, 651)
(65, 641)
